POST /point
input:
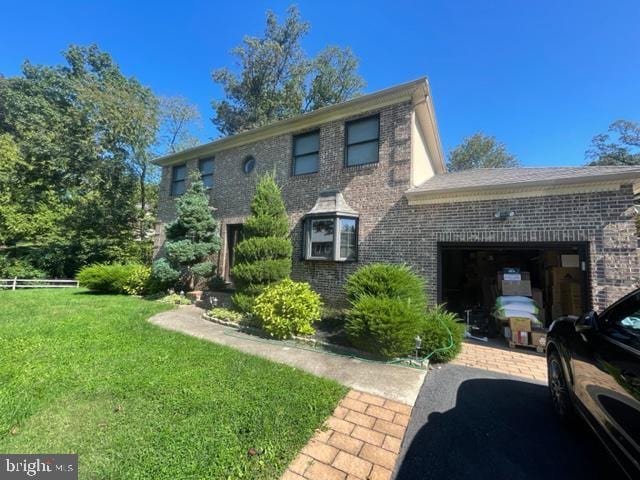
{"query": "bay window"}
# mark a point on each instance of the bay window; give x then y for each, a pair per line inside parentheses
(332, 238)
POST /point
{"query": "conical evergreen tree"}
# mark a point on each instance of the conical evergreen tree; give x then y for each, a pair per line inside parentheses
(191, 238)
(263, 257)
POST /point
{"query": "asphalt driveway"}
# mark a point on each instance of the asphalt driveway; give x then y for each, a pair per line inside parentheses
(471, 423)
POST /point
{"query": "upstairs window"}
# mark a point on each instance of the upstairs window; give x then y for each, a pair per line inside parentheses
(178, 180)
(362, 141)
(206, 172)
(330, 238)
(306, 156)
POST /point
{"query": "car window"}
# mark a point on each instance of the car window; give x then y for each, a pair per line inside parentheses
(622, 321)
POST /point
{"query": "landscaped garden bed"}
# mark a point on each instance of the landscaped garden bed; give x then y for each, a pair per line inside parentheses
(87, 374)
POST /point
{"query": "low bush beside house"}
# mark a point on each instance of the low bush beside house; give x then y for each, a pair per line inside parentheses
(387, 280)
(383, 325)
(226, 315)
(131, 279)
(173, 299)
(387, 309)
(287, 308)
(441, 334)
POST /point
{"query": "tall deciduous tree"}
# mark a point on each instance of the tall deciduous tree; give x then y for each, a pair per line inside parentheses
(619, 146)
(276, 80)
(178, 118)
(263, 257)
(480, 151)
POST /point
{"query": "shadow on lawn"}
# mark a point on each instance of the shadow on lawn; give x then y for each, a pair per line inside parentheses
(503, 429)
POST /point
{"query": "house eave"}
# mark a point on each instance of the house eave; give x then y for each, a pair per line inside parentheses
(538, 188)
(364, 103)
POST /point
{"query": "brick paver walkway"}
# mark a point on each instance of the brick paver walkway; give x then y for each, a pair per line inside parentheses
(361, 441)
(512, 361)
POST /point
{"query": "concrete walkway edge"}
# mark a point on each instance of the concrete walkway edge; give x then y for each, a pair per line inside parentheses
(394, 382)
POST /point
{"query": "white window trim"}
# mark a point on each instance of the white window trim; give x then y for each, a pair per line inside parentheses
(336, 238)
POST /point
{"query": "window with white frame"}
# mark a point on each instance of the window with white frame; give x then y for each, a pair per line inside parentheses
(206, 172)
(331, 238)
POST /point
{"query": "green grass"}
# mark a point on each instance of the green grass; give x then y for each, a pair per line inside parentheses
(87, 374)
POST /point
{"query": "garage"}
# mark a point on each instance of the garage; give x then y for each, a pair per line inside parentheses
(491, 284)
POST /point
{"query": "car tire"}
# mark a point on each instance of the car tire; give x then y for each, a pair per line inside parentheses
(559, 389)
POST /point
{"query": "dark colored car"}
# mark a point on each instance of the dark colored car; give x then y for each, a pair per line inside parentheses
(594, 372)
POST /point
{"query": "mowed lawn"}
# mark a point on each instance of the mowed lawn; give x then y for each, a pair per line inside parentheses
(87, 374)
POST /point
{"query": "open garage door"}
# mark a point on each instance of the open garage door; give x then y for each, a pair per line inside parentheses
(470, 276)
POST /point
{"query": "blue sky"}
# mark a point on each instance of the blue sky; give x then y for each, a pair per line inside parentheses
(542, 76)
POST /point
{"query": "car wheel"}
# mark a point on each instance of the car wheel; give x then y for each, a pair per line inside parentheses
(558, 388)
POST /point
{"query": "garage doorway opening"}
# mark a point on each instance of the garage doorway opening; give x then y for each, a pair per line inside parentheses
(469, 276)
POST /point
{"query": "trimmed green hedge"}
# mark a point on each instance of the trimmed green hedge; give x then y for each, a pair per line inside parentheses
(131, 279)
(263, 257)
(383, 325)
(387, 280)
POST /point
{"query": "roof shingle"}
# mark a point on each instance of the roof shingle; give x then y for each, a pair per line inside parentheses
(488, 178)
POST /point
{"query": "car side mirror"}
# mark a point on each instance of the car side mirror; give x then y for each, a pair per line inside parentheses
(588, 322)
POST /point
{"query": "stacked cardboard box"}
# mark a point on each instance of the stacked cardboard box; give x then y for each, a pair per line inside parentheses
(566, 291)
(523, 334)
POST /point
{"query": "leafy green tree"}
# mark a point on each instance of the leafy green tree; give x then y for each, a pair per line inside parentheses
(263, 257)
(191, 238)
(334, 79)
(83, 131)
(623, 149)
(480, 151)
(277, 80)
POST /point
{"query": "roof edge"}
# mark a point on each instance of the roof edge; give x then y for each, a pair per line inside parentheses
(413, 193)
(388, 96)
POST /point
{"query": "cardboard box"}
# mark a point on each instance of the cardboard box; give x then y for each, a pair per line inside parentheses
(511, 283)
(539, 339)
(562, 274)
(521, 338)
(519, 324)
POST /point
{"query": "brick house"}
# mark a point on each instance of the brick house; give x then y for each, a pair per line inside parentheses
(365, 181)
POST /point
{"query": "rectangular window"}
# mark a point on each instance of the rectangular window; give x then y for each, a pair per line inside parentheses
(321, 238)
(178, 180)
(331, 238)
(347, 238)
(306, 148)
(362, 141)
(206, 172)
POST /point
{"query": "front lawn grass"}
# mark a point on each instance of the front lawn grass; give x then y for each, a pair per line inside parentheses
(87, 374)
